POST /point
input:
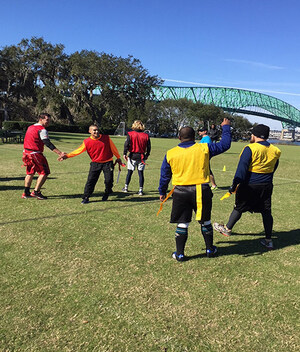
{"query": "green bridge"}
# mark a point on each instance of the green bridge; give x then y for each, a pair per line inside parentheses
(235, 101)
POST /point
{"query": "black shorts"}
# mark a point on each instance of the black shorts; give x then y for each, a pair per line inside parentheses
(184, 203)
(255, 198)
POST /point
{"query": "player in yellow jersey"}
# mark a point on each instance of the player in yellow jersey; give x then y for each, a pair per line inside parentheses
(188, 166)
(253, 183)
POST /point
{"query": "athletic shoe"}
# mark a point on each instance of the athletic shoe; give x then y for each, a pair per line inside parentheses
(85, 201)
(125, 190)
(105, 197)
(37, 195)
(140, 193)
(179, 258)
(267, 243)
(26, 195)
(213, 188)
(222, 229)
(211, 252)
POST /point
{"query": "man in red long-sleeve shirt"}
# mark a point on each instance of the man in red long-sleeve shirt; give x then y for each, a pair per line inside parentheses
(100, 149)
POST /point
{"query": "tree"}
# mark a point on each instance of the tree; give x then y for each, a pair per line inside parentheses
(104, 85)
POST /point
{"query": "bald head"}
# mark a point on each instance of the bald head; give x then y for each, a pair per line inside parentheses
(186, 134)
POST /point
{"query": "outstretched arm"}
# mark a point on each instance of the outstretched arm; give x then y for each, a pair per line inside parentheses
(75, 152)
(43, 134)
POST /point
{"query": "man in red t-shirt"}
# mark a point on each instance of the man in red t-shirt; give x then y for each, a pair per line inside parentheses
(100, 149)
(35, 138)
(139, 146)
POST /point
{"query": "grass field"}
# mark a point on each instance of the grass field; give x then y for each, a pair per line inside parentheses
(99, 277)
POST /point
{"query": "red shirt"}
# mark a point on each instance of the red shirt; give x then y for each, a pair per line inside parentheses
(100, 150)
(138, 142)
(32, 140)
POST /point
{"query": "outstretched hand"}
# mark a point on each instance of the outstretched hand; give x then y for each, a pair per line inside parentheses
(62, 156)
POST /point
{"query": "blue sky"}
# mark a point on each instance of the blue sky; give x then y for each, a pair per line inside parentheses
(234, 43)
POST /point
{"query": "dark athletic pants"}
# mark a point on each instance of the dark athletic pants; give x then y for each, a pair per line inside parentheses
(266, 216)
(94, 173)
(141, 177)
(254, 198)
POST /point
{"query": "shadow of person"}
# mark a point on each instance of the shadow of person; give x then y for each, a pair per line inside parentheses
(115, 197)
(250, 247)
(17, 178)
(11, 188)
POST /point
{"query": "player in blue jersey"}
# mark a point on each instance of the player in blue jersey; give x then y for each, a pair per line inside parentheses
(205, 138)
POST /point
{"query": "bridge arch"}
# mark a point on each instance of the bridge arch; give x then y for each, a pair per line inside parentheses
(235, 100)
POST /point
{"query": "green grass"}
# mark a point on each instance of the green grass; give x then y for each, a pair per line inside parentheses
(100, 277)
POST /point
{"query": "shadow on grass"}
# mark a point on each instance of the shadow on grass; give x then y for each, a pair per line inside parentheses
(114, 197)
(11, 188)
(251, 247)
(14, 187)
(21, 178)
(85, 208)
(17, 178)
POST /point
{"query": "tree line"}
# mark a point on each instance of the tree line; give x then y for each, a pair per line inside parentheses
(36, 76)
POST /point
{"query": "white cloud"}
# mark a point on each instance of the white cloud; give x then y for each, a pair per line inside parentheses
(256, 64)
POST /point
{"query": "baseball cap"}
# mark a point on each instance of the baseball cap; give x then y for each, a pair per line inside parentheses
(261, 131)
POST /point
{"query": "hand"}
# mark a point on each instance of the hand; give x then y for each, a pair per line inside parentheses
(162, 197)
(226, 122)
(61, 158)
(125, 157)
(232, 188)
(119, 161)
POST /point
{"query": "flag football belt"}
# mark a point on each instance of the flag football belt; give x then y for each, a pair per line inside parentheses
(198, 200)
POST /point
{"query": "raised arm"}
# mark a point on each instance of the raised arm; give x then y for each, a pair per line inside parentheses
(225, 142)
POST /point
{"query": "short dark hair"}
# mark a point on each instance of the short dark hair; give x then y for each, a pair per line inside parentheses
(43, 115)
(187, 133)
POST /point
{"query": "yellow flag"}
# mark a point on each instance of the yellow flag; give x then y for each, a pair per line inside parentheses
(226, 195)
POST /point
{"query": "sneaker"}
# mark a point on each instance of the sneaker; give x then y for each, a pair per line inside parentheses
(213, 188)
(26, 195)
(105, 197)
(125, 190)
(222, 229)
(211, 252)
(140, 193)
(85, 201)
(37, 195)
(267, 243)
(179, 258)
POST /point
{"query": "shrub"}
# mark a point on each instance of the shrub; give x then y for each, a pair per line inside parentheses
(82, 127)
